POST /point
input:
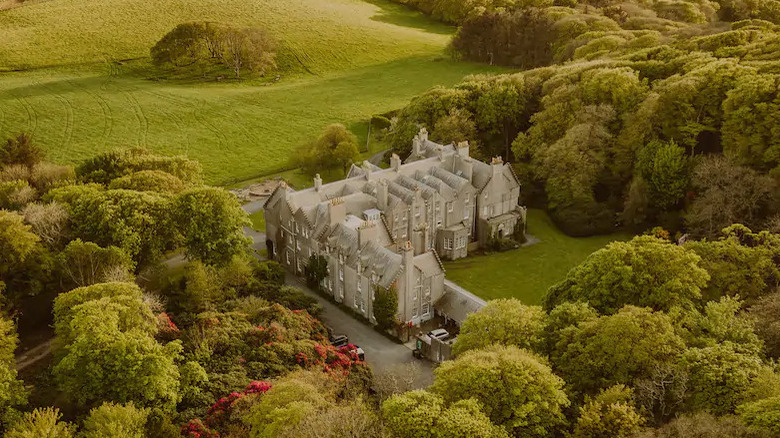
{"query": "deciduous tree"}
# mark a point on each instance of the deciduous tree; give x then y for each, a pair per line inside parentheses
(502, 322)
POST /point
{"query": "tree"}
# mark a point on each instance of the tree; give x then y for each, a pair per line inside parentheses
(212, 222)
(105, 349)
(347, 419)
(316, 270)
(385, 306)
(766, 314)
(516, 390)
(49, 222)
(186, 45)
(13, 394)
(720, 376)
(20, 150)
(646, 271)
(618, 349)
(739, 262)
(103, 168)
(725, 194)
(111, 420)
(148, 181)
(719, 322)
(284, 406)
(140, 223)
(702, 424)
(251, 50)
(84, 264)
(335, 148)
(611, 413)
(456, 127)
(762, 414)
(664, 166)
(502, 322)
(24, 265)
(42, 423)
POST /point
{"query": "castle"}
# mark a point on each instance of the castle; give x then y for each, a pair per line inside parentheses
(392, 227)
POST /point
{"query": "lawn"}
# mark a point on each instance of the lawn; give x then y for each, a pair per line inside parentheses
(258, 221)
(366, 58)
(528, 272)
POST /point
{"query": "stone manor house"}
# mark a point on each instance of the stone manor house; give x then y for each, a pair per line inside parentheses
(392, 227)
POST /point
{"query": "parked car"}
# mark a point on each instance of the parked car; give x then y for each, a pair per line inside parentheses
(439, 334)
(339, 340)
(360, 353)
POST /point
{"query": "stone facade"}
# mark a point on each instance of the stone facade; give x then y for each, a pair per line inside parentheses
(391, 227)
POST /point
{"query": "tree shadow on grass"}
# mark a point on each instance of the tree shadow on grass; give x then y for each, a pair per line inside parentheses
(404, 16)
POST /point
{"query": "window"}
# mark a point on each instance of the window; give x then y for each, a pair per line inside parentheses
(341, 274)
(359, 285)
(466, 214)
(403, 236)
(426, 309)
(468, 198)
(447, 243)
(296, 227)
(287, 256)
(449, 207)
(485, 211)
(298, 244)
(417, 211)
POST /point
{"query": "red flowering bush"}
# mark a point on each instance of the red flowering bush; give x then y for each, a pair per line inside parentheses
(340, 360)
(219, 413)
(196, 429)
(167, 329)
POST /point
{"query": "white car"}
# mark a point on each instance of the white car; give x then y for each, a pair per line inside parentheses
(439, 334)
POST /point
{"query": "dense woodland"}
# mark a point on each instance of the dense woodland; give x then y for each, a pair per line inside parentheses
(633, 114)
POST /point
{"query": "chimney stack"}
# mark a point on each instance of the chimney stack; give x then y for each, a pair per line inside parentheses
(423, 135)
(497, 165)
(395, 162)
(317, 182)
(463, 150)
(337, 211)
(381, 194)
(416, 143)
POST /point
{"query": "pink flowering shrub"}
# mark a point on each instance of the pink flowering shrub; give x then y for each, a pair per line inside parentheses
(167, 329)
(331, 359)
(196, 429)
(219, 413)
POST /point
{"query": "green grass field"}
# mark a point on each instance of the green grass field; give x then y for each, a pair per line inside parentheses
(526, 273)
(367, 58)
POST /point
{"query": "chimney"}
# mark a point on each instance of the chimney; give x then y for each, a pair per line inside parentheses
(381, 194)
(423, 135)
(395, 162)
(317, 182)
(497, 165)
(463, 150)
(366, 166)
(337, 211)
(416, 146)
(366, 232)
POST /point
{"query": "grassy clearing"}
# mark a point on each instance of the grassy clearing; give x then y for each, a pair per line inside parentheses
(528, 272)
(258, 221)
(237, 132)
(323, 35)
(367, 57)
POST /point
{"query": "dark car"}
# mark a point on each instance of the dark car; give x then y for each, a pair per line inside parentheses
(339, 340)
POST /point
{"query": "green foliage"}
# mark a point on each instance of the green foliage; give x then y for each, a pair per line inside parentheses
(664, 166)
(610, 413)
(719, 322)
(111, 420)
(766, 315)
(719, 377)
(20, 150)
(740, 263)
(137, 222)
(106, 350)
(617, 349)
(212, 222)
(702, 424)
(421, 414)
(24, 265)
(385, 306)
(515, 388)
(284, 405)
(335, 148)
(42, 423)
(148, 181)
(646, 271)
(84, 264)
(503, 322)
(316, 270)
(12, 391)
(762, 414)
(105, 167)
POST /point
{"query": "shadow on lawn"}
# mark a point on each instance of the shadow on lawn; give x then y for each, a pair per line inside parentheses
(404, 16)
